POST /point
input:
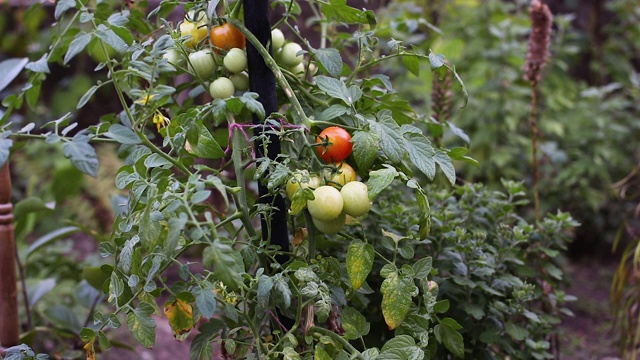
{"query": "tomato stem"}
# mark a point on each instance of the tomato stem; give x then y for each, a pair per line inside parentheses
(235, 12)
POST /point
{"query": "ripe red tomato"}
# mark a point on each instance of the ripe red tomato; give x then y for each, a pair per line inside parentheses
(339, 144)
(226, 37)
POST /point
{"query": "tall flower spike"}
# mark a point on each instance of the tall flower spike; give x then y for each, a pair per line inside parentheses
(441, 96)
(539, 40)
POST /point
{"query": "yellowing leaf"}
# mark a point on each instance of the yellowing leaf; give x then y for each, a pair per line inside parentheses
(396, 299)
(359, 262)
(180, 316)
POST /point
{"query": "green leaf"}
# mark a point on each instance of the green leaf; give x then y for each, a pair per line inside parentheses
(421, 153)
(221, 257)
(62, 317)
(412, 63)
(359, 260)
(516, 331)
(10, 69)
(205, 301)
(441, 306)
(338, 10)
(436, 61)
(207, 146)
(50, 237)
(112, 39)
(334, 88)
(103, 340)
(80, 41)
(320, 354)
(422, 268)
(396, 299)
(332, 112)
(391, 141)
(29, 205)
(355, 325)
(446, 166)
(87, 334)
(200, 196)
(62, 6)
(330, 60)
(175, 227)
(40, 65)
(451, 339)
(380, 180)
(82, 155)
(201, 345)
(123, 134)
(365, 148)
(142, 325)
(87, 96)
(265, 284)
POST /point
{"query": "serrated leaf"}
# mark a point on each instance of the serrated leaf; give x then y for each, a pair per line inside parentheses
(332, 112)
(180, 316)
(421, 154)
(220, 256)
(380, 180)
(359, 260)
(355, 325)
(205, 301)
(82, 155)
(265, 284)
(80, 41)
(365, 148)
(442, 159)
(396, 299)
(451, 339)
(142, 325)
(335, 88)
(339, 11)
(330, 60)
(391, 141)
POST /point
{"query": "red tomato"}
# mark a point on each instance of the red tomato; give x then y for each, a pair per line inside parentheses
(338, 144)
(226, 37)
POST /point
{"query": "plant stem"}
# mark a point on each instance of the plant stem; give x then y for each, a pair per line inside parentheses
(345, 344)
(533, 120)
(236, 157)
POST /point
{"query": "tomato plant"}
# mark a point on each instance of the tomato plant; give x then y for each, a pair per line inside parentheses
(301, 180)
(339, 174)
(195, 31)
(335, 144)
(331, 227)
(240, 81)
(277, 39)
(290, 55)
(202, 64)
(226, 37)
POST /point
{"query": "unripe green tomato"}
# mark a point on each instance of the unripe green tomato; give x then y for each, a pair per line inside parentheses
(240, 81)
(301, 180)
(288, 55)
(313, 69)
(332, 226)
(356, 198)
(299, 70)
(173, 56)
(235, 61)
(327, 204)
(277, 39)
(221, 88)
(202, 64)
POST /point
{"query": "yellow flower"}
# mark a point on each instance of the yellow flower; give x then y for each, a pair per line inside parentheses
(160, 120)
(145, 99)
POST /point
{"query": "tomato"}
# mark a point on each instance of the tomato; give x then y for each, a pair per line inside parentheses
(289, 55)
(341, 175)
(299, 70)
(226, 37)
(355, 196)
(277, 39)
(332, 226)
(197, 31)
(201, 63)
(173, 56)
(301, 180)
(339, 144)
(235, 61)
(240, 81)
(327, 204)
(221, 88)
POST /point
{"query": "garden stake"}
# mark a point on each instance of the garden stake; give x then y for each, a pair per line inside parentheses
(263, 82)
(9, 329)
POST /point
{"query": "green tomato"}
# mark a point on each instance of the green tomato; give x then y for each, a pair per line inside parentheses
(289, 55)
(222, 88)
(332, 226)
(235, 61)
(277, 39)
(356, 198)
(173, 56)
(299, 70)
(201, 63)
(240, 81)
(327, 204)
(301, 180)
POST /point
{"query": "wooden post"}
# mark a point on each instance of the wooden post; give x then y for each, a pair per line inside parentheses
(9, 328)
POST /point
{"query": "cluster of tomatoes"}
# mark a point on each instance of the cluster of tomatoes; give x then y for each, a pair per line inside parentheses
(341, 194)
(228, 45)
